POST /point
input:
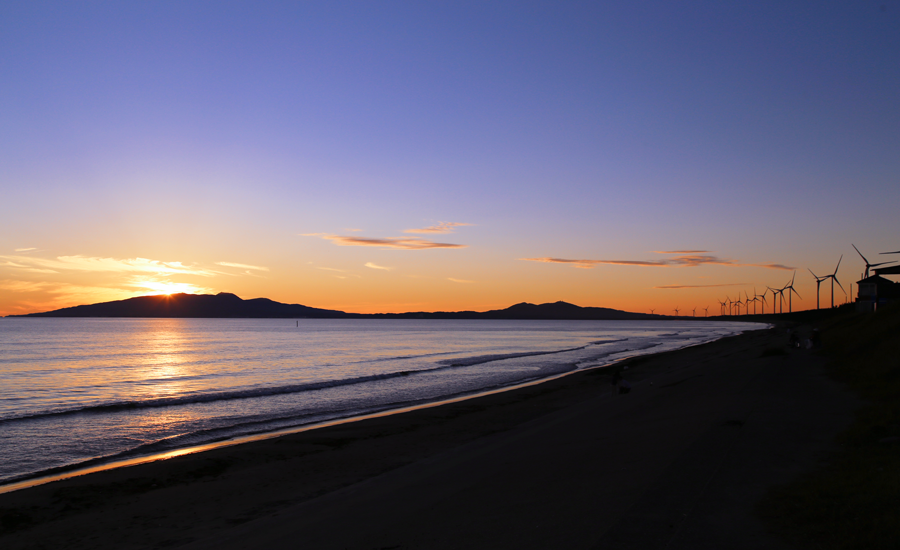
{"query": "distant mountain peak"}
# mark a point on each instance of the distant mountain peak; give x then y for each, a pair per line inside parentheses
(228, 305)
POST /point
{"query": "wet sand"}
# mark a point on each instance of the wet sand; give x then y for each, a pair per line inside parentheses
(679, 462)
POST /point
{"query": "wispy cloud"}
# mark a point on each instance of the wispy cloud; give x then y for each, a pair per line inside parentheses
(29, 269)
(406, 243)
(46, 296)
(24, 286)
(583, 264)
(376, 266)
(681, 251)
(688, 258)
(105, 265)
(243, 266)
(25, 249)
(442, 227)
(774, 266)
(459, 280)
(700, 286)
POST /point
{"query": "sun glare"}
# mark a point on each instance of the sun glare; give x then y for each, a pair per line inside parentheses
(169, 288)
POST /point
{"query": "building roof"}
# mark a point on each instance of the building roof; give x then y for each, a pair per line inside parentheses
(893, 270)
(875, 280)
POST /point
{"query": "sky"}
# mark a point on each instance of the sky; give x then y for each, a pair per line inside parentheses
(445, 156)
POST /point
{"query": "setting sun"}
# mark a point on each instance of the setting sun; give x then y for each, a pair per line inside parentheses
(167, 287)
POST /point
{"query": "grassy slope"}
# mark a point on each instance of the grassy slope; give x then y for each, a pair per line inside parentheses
(853, 501)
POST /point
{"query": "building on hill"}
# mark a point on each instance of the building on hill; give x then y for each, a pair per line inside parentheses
(876, 291)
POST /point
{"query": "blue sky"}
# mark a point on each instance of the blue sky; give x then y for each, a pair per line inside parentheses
(205, 132)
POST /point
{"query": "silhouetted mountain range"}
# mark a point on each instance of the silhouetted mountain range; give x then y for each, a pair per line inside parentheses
(225, 305)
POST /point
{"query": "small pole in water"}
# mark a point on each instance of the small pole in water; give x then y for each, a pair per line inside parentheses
(298, 324)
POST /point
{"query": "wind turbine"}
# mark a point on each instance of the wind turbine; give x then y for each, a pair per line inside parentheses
(652, 310)
(706, 309)
(738, 303)
(868, 265)
(833, 278)
(722, 306)
(780, 293)
(746, 295)
(790, 286)
(818, 284)
(761, 298)
(676, 311)
(695, 312)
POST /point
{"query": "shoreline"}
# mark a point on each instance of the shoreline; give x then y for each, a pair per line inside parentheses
(102, 464)
(557, 441)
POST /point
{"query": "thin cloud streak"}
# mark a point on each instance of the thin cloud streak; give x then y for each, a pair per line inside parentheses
(25, 249)
(376, 266)
(441, 227)
(243, 266)
(463, 281)
(693, 260)
(774, 266)
(407, 243)
(680, 251)
(23, 286)
(106, 265)
(21, 267)
(699, 286)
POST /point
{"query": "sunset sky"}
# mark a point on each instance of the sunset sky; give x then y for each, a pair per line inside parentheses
(409, 156)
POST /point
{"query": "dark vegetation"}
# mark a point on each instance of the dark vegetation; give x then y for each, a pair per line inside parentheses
(854, 500)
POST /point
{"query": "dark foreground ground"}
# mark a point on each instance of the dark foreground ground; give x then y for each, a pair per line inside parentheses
(680, 462)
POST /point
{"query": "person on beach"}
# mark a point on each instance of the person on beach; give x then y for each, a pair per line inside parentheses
(619, 384)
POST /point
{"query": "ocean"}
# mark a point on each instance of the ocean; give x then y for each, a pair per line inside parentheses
(77, 392)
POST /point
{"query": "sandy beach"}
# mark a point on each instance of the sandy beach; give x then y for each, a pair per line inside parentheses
(679, 462)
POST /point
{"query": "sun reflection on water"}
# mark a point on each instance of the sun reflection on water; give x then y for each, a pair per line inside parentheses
(164, 360)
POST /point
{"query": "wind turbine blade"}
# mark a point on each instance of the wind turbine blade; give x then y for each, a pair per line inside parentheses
(795, 292)
(839, 264)
(860, 253)
(839, 284)
(897, 252)
(813, 274)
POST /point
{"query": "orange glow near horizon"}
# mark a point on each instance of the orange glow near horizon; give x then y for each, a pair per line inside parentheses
(168, 288)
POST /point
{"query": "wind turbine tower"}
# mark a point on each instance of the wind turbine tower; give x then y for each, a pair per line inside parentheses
(790, 286)
(833, 278)
(818, 284)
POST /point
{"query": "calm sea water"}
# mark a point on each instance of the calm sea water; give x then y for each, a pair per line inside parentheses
(77, 391)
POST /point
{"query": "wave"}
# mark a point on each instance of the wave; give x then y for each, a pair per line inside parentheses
(250, 393)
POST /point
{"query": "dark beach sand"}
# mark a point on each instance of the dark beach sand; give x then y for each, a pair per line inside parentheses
(679, 462)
